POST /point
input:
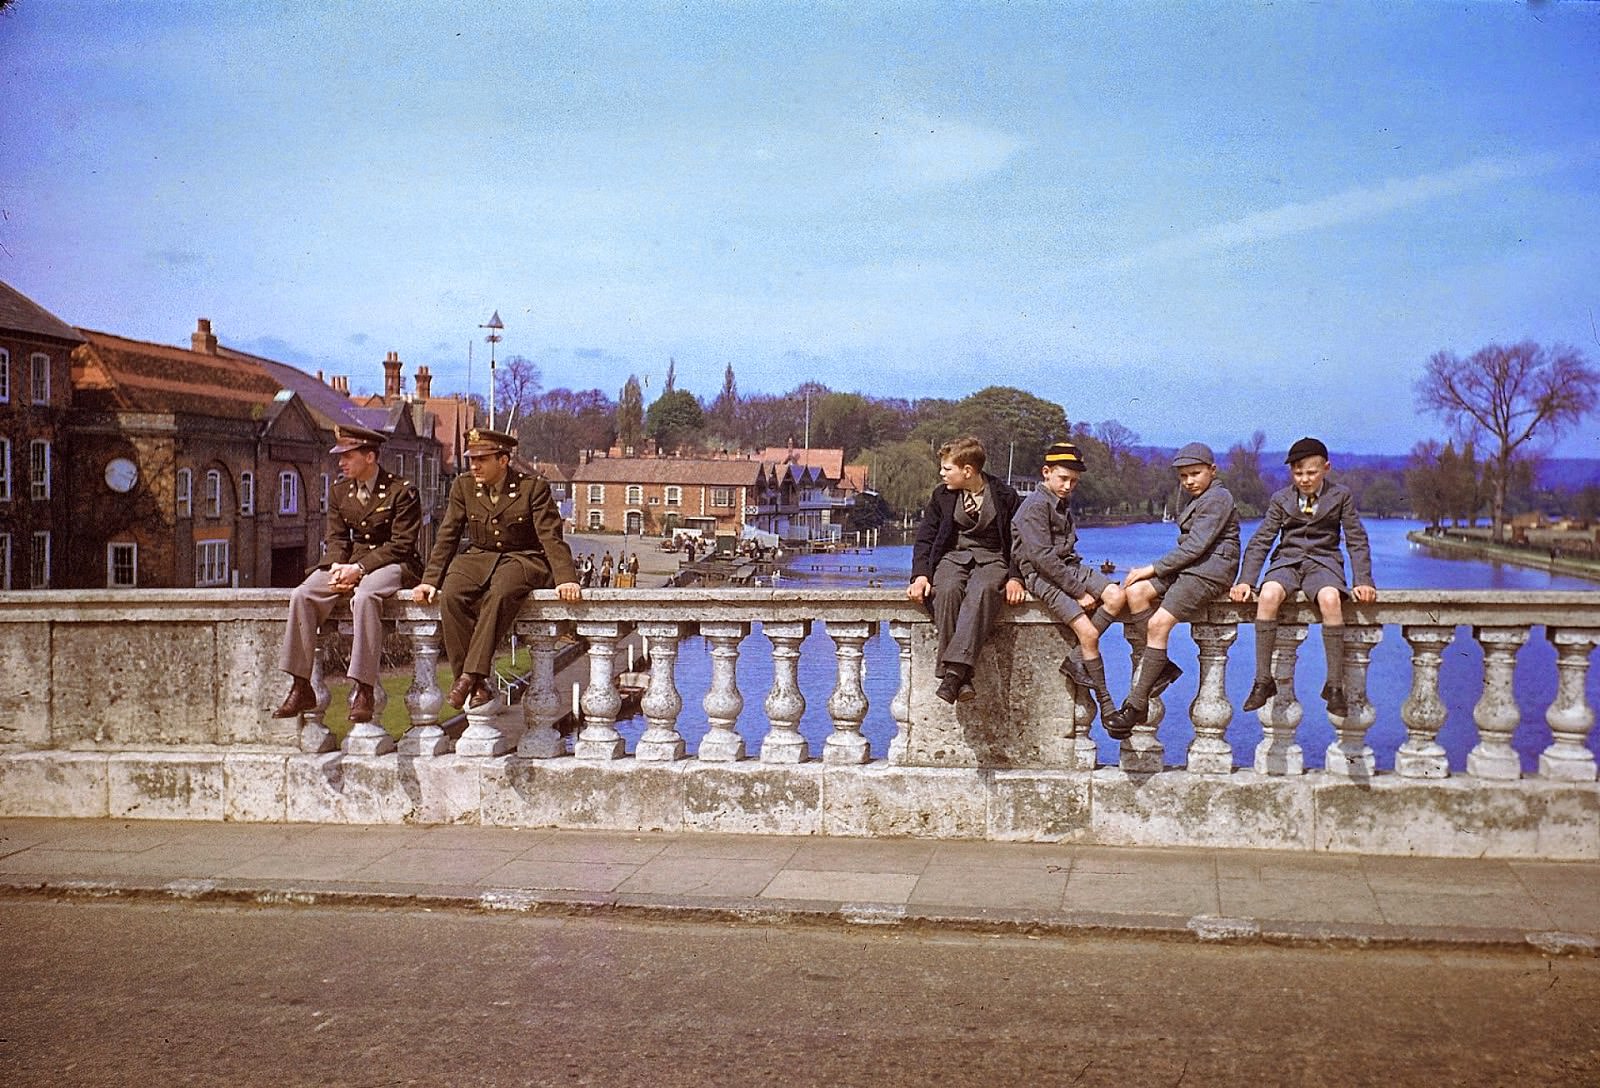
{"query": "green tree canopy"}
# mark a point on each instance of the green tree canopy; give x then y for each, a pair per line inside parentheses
(1014, 426)
(674, 419)
(904, 474)
(630, 415)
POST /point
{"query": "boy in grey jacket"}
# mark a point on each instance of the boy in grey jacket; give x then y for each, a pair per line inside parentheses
(1306, 521)
(1176, 587)
(1046, 550)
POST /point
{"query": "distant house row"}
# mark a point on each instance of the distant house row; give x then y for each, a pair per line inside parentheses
(128, 464)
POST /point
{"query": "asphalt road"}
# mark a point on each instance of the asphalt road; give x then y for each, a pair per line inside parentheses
(156, 994)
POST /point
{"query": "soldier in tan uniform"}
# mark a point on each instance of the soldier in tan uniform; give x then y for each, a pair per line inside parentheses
(369, 554)
(513, 547)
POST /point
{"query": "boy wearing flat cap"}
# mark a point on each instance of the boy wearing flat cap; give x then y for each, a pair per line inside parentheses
(369, 554)
(1046, 548)
(514, 546)
(1176, 587)
(1306, 521)
(963, 561)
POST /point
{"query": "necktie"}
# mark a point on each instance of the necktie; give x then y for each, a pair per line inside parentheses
(1308, 504)
(972, 502)
(362, 493)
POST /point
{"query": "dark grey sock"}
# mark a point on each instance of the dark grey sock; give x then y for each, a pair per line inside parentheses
(1150, 666)
(1266, 638)
(1333, 647)
(1097, 676)
(1102, 620)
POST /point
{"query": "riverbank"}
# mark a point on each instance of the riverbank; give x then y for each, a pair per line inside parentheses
(1488, 551)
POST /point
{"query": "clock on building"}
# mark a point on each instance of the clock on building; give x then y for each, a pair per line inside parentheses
(121, 474)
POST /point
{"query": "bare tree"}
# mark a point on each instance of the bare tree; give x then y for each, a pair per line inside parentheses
(1513, 394)
(516, 387)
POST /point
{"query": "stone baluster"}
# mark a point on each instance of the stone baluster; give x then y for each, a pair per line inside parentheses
(1496, 712)
(367, 738)
(661, 742)
(847, 706)
(1349, 756)
(1568, 759)
(900, 705)
(424, 700)
(1278, 752)
(315, 736)
(1421, 755)
(541, 703)
(785, 704)
(723, 702)
(601, 699)
(1142, 753)
(1211, 711)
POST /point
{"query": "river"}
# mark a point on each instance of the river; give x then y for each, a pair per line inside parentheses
(1397, 564)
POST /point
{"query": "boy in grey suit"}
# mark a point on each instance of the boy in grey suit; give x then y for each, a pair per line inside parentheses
(1306, 520)
(1176, 587)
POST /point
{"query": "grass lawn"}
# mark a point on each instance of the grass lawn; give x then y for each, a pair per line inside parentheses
(396, 683)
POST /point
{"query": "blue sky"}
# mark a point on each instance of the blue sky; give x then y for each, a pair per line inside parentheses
(1197, 221)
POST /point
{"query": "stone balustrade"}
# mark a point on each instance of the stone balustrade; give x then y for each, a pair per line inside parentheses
(157, 703)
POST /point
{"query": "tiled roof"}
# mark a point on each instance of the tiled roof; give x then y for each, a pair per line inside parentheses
(854, 478)
(19, 313)
(830, 461)
(667, 470)
(113, 372)
(328, 405)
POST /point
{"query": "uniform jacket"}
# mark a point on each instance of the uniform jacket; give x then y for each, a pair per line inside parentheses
(523, 526)
(1208, 539)
(373, 534)
(936, 532)
(1047, 540)
(1311, 538)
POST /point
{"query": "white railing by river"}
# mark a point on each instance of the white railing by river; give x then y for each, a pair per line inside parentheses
(161, 700)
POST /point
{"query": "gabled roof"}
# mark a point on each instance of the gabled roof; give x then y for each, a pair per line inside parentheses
(830, 461)
(668, 470)
(115, 373)
(328, 406)
(19, 313)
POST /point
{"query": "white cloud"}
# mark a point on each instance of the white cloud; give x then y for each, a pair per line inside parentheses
(941, 150)
(1352, 205)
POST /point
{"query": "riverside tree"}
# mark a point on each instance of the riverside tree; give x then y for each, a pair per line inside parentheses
(1513, 394)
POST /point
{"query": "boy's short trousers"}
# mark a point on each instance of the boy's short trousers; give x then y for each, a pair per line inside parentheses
(1185, 595)
(1308, 578)
(1063, 603)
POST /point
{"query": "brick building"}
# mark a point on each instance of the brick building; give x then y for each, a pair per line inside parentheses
(656, 495)
(35, 397)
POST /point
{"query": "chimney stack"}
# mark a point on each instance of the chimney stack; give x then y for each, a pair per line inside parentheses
(424, 382)
(201, 339)
(340, 383)
(391, 376)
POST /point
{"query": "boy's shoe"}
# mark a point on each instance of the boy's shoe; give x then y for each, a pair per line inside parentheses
(966, 693)
(955, 684)
(1338, 705)
(1261, 692)
(1120, 724)
(1108, 705)
(1168, 676)
(1072, 668)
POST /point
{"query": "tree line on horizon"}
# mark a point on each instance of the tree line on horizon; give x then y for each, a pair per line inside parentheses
(1497, 404)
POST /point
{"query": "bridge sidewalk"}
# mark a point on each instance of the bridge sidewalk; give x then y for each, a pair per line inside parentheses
(1229, 895)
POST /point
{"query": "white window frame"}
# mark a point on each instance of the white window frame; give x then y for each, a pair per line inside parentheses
(184, 487)
(721, 496)
(5, 562)
(5, 470)
(211, 562)
(597, 493)
(39, 561)
(132, 563)
(596, 520)
(288, 493)
(674, 495)
(5, 376)
(39, 469)
(40, 377)
(635, 495)
(247, 494)
(213, 495)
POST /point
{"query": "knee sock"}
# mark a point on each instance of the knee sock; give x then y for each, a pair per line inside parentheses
(1136, 630)
(1150, 666)
(1097, 676)
(1333, 647)
(1102, 620)
(1266, 638)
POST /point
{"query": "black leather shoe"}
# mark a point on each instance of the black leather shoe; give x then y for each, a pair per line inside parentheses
(1121, 723)
(957, 679)
(1261, 692)
(1338, 706)
(949, 689)
(1168, 676)
(1072, 668)
(1108, 705)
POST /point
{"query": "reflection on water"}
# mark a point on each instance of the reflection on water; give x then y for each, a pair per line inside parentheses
(1397, 564)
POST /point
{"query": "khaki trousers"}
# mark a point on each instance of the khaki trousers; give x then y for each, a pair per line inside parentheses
(310, 604)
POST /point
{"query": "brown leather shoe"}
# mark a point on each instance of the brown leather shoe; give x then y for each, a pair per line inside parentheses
(361, 703)
(462, 689)
(480, 695)
(299, 700)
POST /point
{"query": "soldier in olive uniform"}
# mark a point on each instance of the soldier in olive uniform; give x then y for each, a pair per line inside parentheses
(369, 554)
(514, 546)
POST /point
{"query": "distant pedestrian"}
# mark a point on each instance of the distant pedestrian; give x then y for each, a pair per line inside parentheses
(605, 571)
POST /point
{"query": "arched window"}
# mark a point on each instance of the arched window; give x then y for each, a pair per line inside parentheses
(213, 495)
(288, 493)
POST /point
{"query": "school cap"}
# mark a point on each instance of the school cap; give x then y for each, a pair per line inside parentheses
(482, 442)
(347, 438)
(1306, 447)
(1195, 453)
(1065, 454)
